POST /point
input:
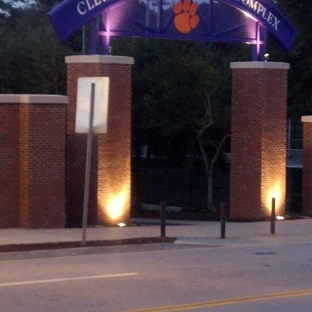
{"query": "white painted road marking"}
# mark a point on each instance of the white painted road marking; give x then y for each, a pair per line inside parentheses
(66, 279)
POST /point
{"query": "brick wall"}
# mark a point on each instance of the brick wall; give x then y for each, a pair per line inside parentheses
(111, 152)
(258, 142)
(307, 166)
(32, 151)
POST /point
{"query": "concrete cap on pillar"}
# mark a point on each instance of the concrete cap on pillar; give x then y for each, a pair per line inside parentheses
(33, 98)
(100, 59)
(306, 118)
(259, 65)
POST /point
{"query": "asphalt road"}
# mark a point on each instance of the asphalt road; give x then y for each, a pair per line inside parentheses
(163, 278)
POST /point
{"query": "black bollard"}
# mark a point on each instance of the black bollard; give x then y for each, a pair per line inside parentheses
(273, 217)
(162, 219)
(223, 219)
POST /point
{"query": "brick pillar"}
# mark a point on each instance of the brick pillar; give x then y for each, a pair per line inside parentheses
(258, 141)
(9, 161)
(33, 158)
(307, 166)
(111, 153)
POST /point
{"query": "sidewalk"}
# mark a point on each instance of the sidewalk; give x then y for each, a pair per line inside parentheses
(187, 234)
(197, 232)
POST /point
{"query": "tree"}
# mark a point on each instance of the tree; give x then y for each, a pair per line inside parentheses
(169, 78)
(32, 57)
(210, 161)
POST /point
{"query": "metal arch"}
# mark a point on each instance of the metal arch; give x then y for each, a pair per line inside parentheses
(271, 18)
(257, 40)
(65, 20)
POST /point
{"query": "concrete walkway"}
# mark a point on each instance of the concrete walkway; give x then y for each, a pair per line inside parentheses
(186, 232)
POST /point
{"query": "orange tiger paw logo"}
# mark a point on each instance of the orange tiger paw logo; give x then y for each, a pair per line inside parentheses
(185, 18)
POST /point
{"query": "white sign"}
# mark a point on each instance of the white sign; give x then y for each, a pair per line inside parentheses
(84, 104)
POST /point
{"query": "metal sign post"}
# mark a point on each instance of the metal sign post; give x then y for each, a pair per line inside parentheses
(88, 167)
(91, 117)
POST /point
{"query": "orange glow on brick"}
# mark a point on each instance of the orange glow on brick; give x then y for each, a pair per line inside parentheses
(117, 204)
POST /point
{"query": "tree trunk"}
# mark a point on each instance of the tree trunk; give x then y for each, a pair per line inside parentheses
(209, 167)
(209, 163)
(210, 187)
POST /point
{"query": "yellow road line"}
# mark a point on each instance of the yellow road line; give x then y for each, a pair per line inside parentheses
(225, 302)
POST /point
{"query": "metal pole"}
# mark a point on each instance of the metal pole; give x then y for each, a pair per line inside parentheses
(223, 219)
(147, 13)
(162, 219)
(94, 36)
(273, 217)
(88, 167)
(83, 40)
